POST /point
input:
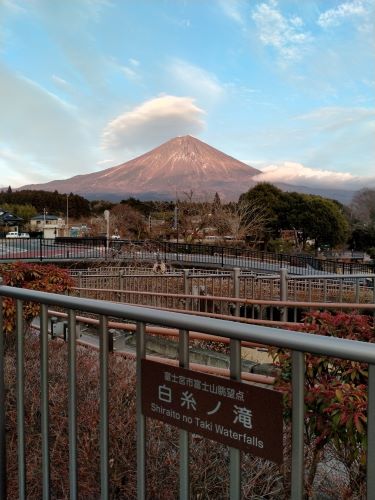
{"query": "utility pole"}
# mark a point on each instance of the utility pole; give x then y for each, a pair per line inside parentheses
(67, 215)
(106, 216)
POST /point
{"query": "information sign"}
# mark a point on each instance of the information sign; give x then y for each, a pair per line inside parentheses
(238, 414)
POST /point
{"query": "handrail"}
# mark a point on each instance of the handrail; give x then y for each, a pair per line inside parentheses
(299, 341)
(244, 301)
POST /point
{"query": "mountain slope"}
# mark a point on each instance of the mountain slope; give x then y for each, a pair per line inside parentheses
(181, 164)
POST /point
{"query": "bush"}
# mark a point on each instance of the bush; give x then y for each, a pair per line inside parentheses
(335, 400)
(209, 460)
(45, 278)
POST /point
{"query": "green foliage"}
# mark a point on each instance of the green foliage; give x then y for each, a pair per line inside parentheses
(46, 278)
(314, 217)
(53, 202)
(335, 389)
(24, 211)
(268, 197)
(362, 238)
(98, 206)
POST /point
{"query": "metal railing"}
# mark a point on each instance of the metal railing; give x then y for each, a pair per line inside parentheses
(299, 343)
(182, 254)
(128, 285)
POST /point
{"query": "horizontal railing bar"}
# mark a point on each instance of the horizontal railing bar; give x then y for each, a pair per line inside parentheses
(228, 274)
(173, 332)
(316, 344)
(244, 301)
(214, 370)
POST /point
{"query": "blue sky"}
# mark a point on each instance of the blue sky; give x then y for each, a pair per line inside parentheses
(287, 86)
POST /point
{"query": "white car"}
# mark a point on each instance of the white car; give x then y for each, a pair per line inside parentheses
(24, 235)
(12, 234)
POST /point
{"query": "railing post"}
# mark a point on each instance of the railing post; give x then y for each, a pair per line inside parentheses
(20, 388)
(141, 419)
(40, 249)
(3, 459)
(298, 415)
(234, 453)
(103, 407)
(284, 293)
(184, 435)
(72, 407)
(371, 433)
(187, 290)
(236, 288)
(44, 400)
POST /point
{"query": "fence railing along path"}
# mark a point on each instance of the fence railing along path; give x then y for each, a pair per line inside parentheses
(298, 343)
(235, 292)
(176, 254)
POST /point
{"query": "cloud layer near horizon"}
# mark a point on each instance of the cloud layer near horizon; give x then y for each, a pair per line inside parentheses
(297, 174)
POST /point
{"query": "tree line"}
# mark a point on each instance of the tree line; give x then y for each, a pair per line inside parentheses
(260, 216)
(51, 201)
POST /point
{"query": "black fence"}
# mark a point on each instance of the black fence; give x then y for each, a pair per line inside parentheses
(69, 248)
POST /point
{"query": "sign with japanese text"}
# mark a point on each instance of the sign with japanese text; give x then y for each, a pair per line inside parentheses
(238, 414)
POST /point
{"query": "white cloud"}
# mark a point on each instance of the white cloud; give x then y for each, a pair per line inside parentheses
(344, 11)
(299, 175)
(194, 80)
(153, 122)
(233, 9)
(284, 34)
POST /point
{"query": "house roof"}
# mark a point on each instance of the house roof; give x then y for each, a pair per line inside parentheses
(44, 217)
(9, 219)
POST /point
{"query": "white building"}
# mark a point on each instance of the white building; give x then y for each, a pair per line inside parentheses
(51, 225)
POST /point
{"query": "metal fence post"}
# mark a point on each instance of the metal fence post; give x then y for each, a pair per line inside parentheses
(80, 283)
(236, 288)
(284, 293)
(104, 426)
(44, 400)
(184, 435)
(20, 391)
(371, 433)
(72, 407)
(3, 461)
(187, 290)
(40, 249)
(235, 454)
(141, 419)
(298, 405)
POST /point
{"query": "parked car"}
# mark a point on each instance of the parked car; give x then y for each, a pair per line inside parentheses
(24, 235)
(12, 234)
